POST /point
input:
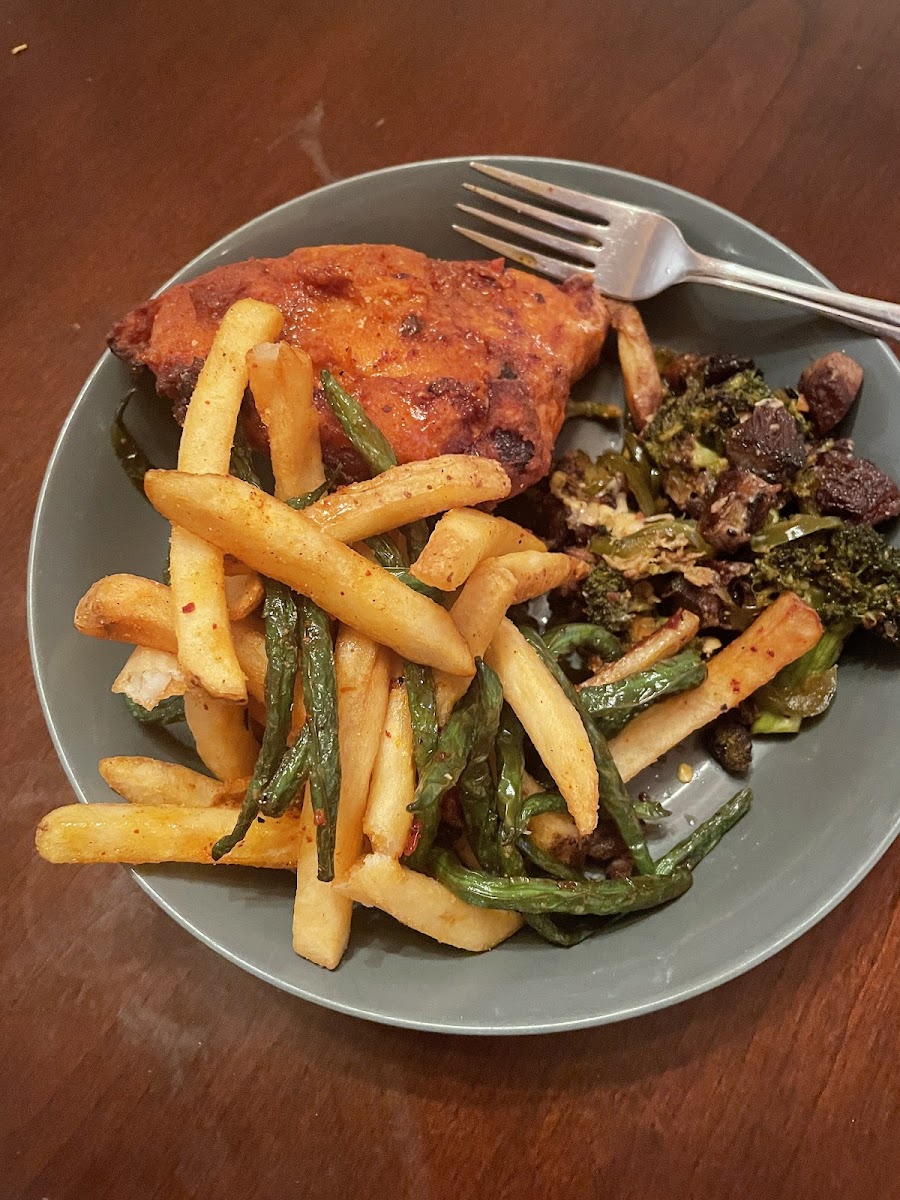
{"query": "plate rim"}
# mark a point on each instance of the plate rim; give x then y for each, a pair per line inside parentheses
(708, 982)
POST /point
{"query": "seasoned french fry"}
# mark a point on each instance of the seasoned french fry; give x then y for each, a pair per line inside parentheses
(134, 610)
(150, 676)
(284, 544)
(640, 374)
(485, 597)
(421, 903)
(219, 727)
(321, 912)
(128, 608)
(537, 573)
(281, 380)
(777, 637)
(155, 833)
(196, 568)
(680, 628)
(407, 493)
(387, 821)
(243, 594)
(461, 540)
(151, 781)
(477, 612)
(550, 721)
(249, 640)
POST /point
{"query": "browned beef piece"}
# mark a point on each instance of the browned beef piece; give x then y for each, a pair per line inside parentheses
(710, 368)
(738, 507)
(704, 601)
(830, 385)
(769, 443)
(854, 488)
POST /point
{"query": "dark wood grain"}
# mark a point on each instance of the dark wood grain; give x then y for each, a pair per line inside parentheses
(135, 1062)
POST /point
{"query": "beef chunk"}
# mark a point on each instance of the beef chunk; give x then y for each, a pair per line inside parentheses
(738, 507)
(768, 443)
(854, 488)
(830, 385)
(719, 367)
(704, 601)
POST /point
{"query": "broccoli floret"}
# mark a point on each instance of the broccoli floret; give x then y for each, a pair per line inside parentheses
(688, 430)
(610, 601)
(846, 574)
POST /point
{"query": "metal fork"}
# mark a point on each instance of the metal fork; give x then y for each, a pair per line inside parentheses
(632, 253)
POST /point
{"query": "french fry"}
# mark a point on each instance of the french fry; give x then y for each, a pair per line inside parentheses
(128, 608)
(281, 380)
(219, 727)
(142, 780)
(640, 374)
(680, 628)
(423, 904)
(321, 912)
(243, 594)
(464, 537)
(550, 721)
(284, 544)
(387, 821)
(155, 833)
(477, 612)
(493, 586)
(777, 637)
(150, 676)
(407, 493)
(135, 610)
(537, 573)
(249, 639)
(196, 568)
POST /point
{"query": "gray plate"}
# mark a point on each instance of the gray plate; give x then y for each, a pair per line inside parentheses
(825, 802)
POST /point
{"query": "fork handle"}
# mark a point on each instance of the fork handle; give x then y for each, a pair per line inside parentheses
(872, 316)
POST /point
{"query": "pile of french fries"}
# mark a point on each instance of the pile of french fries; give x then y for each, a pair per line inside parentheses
(201, 637)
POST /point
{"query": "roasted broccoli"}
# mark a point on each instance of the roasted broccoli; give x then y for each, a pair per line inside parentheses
(846, 574)
(609, 600)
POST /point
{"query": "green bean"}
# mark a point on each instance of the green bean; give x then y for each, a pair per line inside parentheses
(612, 705)
(441, 773)
(477, 793)
(364, 435)
(320, 699)
(371, 445)
(419, 679)
(612, 790)
(289, 777)
(422, 711)
(242, 459)
(166, 712)
(651, 810)
(565, 639)
(706, 836)
(593, 410)
(510, 768)
(132, 458)
(542, 802)
(539, 802)
(280, 616)
(600, 897)
(308, 498)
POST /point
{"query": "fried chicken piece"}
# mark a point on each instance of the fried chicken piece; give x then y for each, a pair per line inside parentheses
(445, 357)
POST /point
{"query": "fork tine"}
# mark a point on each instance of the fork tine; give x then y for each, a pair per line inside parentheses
(528, 258)
(550, 240)
(560, 220)
(594, 206)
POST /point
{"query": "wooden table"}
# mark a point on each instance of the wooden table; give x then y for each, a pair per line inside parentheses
(135, 1062)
